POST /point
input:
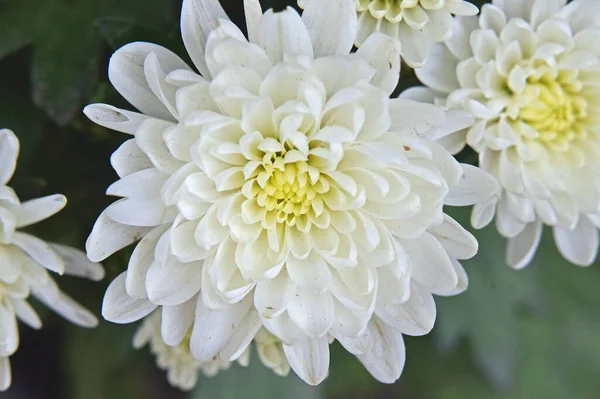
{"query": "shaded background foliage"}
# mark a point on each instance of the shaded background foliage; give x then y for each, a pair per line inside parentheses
(523, 335)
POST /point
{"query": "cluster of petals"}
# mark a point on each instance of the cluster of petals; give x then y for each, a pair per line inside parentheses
(25, 261)
(282, 190)
(183, 369)
(529, 72)
(416, 24)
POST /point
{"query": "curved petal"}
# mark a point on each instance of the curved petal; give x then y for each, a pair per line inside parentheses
(474, 186)
(9, 152)
(173, 282)
(580, 245)
(414, 317)
(126, 73)
(309, 358)
(176, 321)
(385, 361)
(77, 264)
(382, 53)
(118, 307)
(331, 25)
(521, 249)
(114, 118)
(283, 33)
(198, 19)
(35, 210)
(40, 251)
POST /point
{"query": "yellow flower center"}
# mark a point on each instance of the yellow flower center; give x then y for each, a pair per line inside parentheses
(557, 109)
(288, 189)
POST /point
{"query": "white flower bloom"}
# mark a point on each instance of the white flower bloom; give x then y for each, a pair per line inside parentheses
(282, 188)
(416, 23)
(182, 368)
(529, 71)
(25, 259)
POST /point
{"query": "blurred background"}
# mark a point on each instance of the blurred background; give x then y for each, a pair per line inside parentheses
(530, 334)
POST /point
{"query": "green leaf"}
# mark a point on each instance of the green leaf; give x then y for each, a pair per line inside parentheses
(254, 382)
(66, 43)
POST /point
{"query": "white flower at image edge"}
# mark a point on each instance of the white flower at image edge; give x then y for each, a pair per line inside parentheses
(529, 71)
(282, 188)
(25, 261)
(417, 24)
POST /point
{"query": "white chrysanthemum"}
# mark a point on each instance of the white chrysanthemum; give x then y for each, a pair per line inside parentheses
(182, 368)
(282, 188)
(25, 259)
(416, 23)
(529, 71)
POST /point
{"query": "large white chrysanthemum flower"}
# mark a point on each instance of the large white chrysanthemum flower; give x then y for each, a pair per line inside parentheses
(282, 188)
(529, 71)
(182, 368)
(25, 261)
(417, 24)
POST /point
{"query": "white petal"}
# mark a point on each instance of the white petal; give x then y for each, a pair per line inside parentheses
(474, 186)
(253, 12)
(140, 211)
(580, 245)
(198, 19)
(440, 71)
(9, 152)
(5, 373)
(309, 358)
(26, 313)
(145, 183)
(114, 118)
(386, 359)
(213, 329)
(118, 307)
(382, 53)
(331, 25)
(312, 311)
(129, 158)
(108, 236)
(414, 317)
(176, 321)
(242, 336)
(40, 251)
(77, 264)
(272, 297)
(283, 33)
(173, 282)
(140, 261)
(9, 334)
(66, 307)
(312, 272)
(126, 73)
(457, 241)
(521, 249)
(430, 263)
(38, 209)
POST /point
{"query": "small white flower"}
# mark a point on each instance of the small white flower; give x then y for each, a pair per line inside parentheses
(271, 353)
(529, 71)
(416, 23)
(25, 259)
(182, 368)
(284, 189)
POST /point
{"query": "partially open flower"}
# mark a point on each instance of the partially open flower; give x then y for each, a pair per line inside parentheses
(417, 24)
(282, 188)
(529, 71)
(182, 368)
(25, 261)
